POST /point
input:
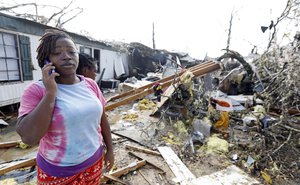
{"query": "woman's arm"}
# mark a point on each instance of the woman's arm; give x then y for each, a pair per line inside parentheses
(33, 126)
(105, 129)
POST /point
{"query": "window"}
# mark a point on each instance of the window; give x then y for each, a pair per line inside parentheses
(9, 59)
(15, 58)
(86, 50)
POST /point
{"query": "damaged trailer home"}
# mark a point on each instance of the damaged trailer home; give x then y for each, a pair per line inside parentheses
(18, 65)
(145, 60)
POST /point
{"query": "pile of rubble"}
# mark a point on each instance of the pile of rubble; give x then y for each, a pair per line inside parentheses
(258, 130)
(248, 111)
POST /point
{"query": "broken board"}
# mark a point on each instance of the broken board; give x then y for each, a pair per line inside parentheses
(230, 175)
(181, 172)
(134, 135)
(165, 96)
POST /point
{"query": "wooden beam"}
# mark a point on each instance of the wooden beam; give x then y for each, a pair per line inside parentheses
(158, 81)
(197, 72)
(125, 170)
(181, 172)
(18, 165)
(147, 151)
(9, 144)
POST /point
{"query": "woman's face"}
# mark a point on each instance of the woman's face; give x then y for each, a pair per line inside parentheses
(90, 72)
(64, 57)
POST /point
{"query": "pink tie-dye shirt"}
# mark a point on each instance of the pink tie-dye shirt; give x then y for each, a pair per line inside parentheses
(74, 135)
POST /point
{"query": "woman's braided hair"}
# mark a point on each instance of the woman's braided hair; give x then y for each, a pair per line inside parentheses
(47, 44)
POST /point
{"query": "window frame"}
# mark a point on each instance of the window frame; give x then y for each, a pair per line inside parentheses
(5, 57)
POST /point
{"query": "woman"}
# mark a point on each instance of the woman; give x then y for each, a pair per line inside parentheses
(64, 113)
(87, 66)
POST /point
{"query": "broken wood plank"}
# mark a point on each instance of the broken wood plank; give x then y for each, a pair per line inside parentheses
(146, 92)
(18, 165)
(142, 174)
(131, 167)
(181, 172)
(147, 151)
(114, 178)
(148, 162)
(9, 144)
(230, 175)
(158, 81)
(133, 135)
(166, 95)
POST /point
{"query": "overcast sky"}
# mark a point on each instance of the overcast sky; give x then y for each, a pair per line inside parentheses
(193, 26)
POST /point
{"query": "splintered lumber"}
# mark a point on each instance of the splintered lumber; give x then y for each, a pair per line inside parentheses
(135, 148)
(148, 162)
(131, 167)
(9, 144)
(158, 81)
(181, 172)
(20, 164)
(166, 95)
(139, 95)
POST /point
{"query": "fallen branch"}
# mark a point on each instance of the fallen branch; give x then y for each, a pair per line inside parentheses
(277, 149)
(290, 128)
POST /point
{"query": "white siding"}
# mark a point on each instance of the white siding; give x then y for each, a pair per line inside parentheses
(115, 64)
(11, 93)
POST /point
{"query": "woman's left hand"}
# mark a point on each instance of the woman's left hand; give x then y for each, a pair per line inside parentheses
(109, 160)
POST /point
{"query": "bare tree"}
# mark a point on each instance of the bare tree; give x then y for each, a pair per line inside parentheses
(229, 32)
(58, 18)
(153, 38)
(291, 12)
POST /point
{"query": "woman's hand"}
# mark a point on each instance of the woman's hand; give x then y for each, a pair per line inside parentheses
(109, 160)
(49, 75)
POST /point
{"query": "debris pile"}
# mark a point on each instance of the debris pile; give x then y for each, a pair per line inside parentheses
(261, 125)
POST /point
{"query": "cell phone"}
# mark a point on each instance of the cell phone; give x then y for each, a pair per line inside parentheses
(52, 70)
